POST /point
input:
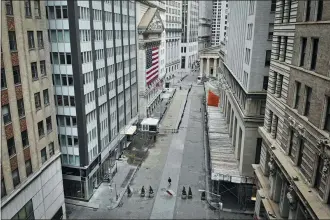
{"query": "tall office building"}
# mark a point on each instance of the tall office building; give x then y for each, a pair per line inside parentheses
(173, 36)
(245, 77)
(189, 36)
(31, 176)
(204, 25)
(219, 21)
(93, 55)
(293, 174)
(150, 19)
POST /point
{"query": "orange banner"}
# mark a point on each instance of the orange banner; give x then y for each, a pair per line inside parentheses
(213, 99)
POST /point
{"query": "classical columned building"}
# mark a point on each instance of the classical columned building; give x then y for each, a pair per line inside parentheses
(151, 54)
(209, 61)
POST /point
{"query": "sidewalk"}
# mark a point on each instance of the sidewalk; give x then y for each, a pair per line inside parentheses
(105, 195)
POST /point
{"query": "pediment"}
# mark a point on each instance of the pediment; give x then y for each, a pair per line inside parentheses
(151, 22)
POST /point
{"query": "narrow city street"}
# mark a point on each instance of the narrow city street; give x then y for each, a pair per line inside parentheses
(176, 155)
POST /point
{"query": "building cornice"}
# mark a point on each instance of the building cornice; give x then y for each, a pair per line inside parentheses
(151, 4)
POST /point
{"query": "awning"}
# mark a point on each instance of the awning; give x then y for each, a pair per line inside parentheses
(131, 130)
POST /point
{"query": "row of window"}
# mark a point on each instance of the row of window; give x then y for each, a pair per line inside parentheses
(68, 140)
(41, 128)
(57, 12)
(60, 58)
(91, 135)
(63, 80)
(64, 120)
(37, 99)
(16, 77)
(59, 36)
(27, 8)
(65, 100)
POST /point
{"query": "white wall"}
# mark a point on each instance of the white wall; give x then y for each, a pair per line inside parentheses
(46, 192)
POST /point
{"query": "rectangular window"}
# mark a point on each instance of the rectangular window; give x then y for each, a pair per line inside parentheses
(12, 40)
(11, 147)
(25, 138)
(300, 152)
(28, 8)
(65, 11)
(270, 31)
(40, 38)
(303, 51)
(3, 79)
(265, 83)
(34, 70)
(251, 7)
(43, 155)
(46, 97)
(37, 101)
(263, 108)
(9, 7)
(297, 95)
(279, 86)
(285, 46)
(319, 174)
(308, 91)
(327, 116)
(43, 68)
(58, 12)
(249, 34)
(319, 10)
(49, 124)
(268, 56)
(37, 8)
(314, 52)
(3, 188)
(291, 142)
(15, 175)
(258, 151)
(51, 149)
(308, 10)
(20, 108)
(247, 55)
(28, 167)
(41, 130)
(31, 39)
(6, 116)
(273, 6)
(16, 74)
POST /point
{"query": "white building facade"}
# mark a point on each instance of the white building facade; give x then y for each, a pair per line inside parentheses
(219, 21)
(243, 96)
(151, 53)
(204, 25)
(93, 55)
(189, 39)
(173, 36)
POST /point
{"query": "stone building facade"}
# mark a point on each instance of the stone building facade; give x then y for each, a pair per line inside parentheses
(31, 175)
(293, 174)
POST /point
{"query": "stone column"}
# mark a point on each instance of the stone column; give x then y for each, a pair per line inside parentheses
(207, 72)
(274, 126)
(286, 11)
(201, 70)
(278, 85)
(282, 49)
(272, 88)
(215, 67)
(269, 121)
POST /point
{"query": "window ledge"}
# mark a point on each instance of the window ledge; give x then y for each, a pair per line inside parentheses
(49, 131)
(43, 76)
(21, 117)
(12, 156)
(35, 78)
(38, 108)
(31, 49)
(41, 136)
(8, 123)
(41, 48)
(46, 104)
(3, 89)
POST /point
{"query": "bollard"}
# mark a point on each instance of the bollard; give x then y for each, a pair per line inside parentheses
(151, 192)
(184, 193)
(189, 193)
(129, 191)
(142, 192)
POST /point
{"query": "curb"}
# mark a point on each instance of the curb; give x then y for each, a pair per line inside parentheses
(124, 191)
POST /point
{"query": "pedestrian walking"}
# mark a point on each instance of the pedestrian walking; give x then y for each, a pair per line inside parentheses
(169, 181)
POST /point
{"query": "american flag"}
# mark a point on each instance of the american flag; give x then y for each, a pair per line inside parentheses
(152, 59)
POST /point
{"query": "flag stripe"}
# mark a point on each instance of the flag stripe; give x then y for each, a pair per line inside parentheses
(152, 64)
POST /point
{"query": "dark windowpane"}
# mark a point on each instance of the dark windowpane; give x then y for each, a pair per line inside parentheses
(70, 80)
(268, 56)
(25, 138)
(327, 117)
(59, 100)
(28, 167)
(62, 58)
(265, 83)
(66, 100)
(11, 147)
(303, 51)
(65, 12)
(314, 53)
(301, 152)
(9, 7)
(41, 130)
(72, 101)
(51, 149)
(12, 40)
(40, 38)
(34, 70)
(31, 39)
(308, 100)
(258, 151)
(46, 97)
(37, 100)
(285, 46)
(6, 116)
(308, 10)
(20, 108)
(43, 155)
(28, 8)
(319, 10)
(49, 124)
(298, 84)
(58, 12)
(15, 175)
(64, 80)
(291, 142)
(3, 79)
(17, 76)
(43, 68)
(68, 58)
(3, 188)
(37, 8)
